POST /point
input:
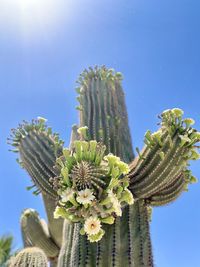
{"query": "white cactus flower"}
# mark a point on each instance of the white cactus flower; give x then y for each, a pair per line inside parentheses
(85, 196)
(67, 195)
(115, 202)
(92, 226)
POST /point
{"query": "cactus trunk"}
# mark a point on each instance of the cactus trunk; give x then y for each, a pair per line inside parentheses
(127, 242)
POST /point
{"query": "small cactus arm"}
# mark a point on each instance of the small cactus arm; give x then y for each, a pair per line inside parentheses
(38, 148)
(36, 232)
(156, 177)
(30, 257)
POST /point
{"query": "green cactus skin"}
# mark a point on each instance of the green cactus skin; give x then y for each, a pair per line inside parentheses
(127, 242)
(55, 225)
(157, 176)
(30, 257)
(36, 232)
(38, 148)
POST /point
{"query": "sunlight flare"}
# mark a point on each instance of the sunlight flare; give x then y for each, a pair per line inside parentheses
(33, 18)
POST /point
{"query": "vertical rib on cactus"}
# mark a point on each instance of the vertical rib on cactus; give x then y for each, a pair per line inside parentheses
(30, 257)
(103, 111)
(55, 225)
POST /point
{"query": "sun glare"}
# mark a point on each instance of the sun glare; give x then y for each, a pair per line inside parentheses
(32, 17)
(38, 15)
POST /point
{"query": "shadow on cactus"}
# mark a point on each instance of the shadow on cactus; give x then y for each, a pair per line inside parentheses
(99, 198)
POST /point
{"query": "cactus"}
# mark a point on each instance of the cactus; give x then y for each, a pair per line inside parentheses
(38, 148)
(32, 257)
(35, 232)
(103, 194)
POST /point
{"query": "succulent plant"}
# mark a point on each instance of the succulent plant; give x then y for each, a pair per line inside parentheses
(32, 257)
(98, 196)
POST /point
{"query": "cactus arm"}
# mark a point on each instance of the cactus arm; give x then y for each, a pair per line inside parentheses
(160, 173)
(169, 194)
(32, 257)
(25, 238)
(38, 149)
(36, 232)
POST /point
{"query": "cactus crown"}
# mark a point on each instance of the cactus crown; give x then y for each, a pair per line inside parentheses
(37, 126)
(102, 73)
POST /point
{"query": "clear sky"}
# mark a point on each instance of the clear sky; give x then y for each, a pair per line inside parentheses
(45, 44)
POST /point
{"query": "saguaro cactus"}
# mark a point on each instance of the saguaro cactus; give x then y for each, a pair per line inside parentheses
(32, 257)
(104, 199)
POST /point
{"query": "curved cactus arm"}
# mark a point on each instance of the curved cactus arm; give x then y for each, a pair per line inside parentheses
(30, 257)
(155, 174)
(36, 233)
(168, 194)
(38, 149)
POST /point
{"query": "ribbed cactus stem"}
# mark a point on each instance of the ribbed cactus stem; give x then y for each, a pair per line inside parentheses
(38, 149)
(55, 225)
(30, 257)
(103, 111)
(169, 194)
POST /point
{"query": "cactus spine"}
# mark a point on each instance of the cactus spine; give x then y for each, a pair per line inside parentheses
(156, 177)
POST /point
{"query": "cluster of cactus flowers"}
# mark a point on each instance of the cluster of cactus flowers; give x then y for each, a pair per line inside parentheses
(103, 194)
(92, 187)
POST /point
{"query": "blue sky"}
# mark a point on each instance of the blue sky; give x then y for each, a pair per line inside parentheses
(44, 45)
